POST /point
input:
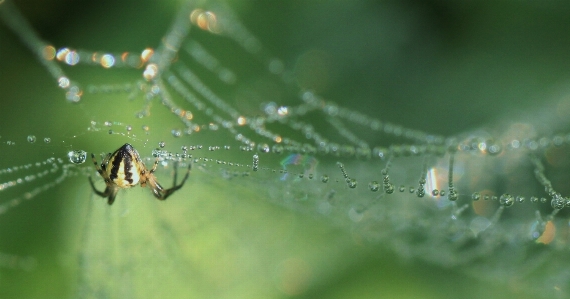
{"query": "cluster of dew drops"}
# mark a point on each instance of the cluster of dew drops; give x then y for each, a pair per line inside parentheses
(75, 156)
(80, 156)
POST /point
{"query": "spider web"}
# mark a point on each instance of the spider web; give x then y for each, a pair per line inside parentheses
(306, 166)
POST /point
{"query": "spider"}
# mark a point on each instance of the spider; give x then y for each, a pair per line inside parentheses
(127, 170)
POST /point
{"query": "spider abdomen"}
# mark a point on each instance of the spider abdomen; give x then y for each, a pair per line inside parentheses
(123, 169)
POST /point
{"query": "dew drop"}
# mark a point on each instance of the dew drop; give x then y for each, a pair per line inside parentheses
(352, 183)
(129, 128)
(324, 178)
(47, 140)
(435, 192)
(77, 156)
(389, 189)
(176, 132)
(255, 166)
(506, 200)
(374, 186)
(421, 192)
(452, 196)
(494, 148)
(520, 199)
(264, 148)
(558, 202)
(31, 138)
(161, 144)
(402, 188)
(476, 196)
(533, 199)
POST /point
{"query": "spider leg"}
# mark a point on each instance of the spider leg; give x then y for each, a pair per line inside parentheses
(105, 193)
(154, 166)
(165, 193)
(96, 165)
(109, 192)
(112, 196)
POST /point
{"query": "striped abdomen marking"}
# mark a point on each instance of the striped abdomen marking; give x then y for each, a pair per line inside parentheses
(124, 170)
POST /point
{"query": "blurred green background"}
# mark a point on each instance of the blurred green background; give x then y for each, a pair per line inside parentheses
(441, 66)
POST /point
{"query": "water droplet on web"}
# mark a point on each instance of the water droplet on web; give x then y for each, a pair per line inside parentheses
(506, 200)
(277, 149)
(452, 196)
(31, 138)
(421, 192)
(176, 132)
(389, 188)
(494, 148)
(161, 144)
(374, 186)
(324, 178)
(213, 127)
(264, 148)
(558, 202)
(351, 183)
(63, 82)
(77, 156)
(476, 196)
(255, 166)
(47, 140)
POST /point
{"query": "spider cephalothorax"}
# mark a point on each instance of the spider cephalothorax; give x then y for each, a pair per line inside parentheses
(124, 168)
